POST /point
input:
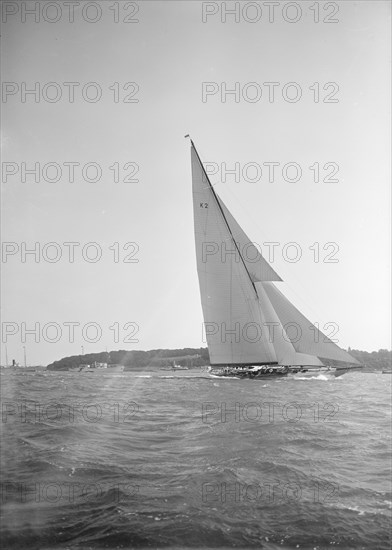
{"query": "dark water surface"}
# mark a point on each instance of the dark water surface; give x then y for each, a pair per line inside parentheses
(187, 460)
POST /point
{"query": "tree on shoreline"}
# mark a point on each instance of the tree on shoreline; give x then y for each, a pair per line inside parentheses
(190, 357)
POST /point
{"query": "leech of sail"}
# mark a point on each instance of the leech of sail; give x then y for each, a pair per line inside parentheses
(224, 217)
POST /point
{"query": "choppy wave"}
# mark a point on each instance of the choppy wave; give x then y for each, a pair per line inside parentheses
(184, 460)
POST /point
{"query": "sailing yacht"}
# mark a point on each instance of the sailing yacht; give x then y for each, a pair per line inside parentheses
(252, 329)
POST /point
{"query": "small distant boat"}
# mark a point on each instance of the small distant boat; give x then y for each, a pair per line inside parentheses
(98, 367)
(386, 371)
(179, 367)
(247, 320)
(174, 367)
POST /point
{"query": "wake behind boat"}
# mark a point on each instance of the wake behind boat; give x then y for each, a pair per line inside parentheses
(252, 329)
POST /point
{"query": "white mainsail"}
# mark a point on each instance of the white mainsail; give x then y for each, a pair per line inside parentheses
(232, 315)
(246, 318)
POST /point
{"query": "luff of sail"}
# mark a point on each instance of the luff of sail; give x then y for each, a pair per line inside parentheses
(246, 318)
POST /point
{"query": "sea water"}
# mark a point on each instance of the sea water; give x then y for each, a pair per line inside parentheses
(182, 459)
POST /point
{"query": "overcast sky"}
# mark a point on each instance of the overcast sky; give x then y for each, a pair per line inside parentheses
(169, 52)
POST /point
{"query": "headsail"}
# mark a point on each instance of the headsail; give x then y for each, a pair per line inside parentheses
(304, 335)
(247, 320)
(259, 269)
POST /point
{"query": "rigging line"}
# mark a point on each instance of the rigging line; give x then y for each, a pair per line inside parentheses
(224, 217)
(299, 296)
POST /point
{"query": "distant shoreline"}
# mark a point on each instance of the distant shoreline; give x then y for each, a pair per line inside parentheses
(191, 357)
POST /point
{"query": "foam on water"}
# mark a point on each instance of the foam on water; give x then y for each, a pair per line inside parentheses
(192, 461)
(316, 377)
